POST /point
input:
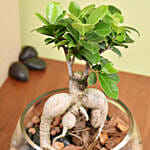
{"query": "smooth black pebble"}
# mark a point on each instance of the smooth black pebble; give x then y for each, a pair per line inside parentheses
(35, 63)
(19, 71)
(28, 52)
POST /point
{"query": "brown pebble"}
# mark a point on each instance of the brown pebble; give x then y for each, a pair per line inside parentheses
(36, 119)
(55, 123)
(51, 126)
(57, 129)
(13, 148)
(103, 148)
(103, 138)
(61, 125)
(53, 132)
(72, 147)
(60, 145)
(32, 131)
(29, 124)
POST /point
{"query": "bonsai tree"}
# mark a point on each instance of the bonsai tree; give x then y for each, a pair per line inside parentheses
(83, 34)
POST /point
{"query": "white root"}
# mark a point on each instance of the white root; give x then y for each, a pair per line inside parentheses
(83, 111)
(55, 106)
(94, 99)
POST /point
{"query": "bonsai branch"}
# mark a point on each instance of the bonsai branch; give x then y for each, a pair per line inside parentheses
(86, 70)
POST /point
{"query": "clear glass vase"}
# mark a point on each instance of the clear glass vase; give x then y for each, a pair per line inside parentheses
(22, 141)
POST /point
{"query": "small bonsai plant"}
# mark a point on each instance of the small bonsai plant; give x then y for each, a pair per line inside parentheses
(83, 34)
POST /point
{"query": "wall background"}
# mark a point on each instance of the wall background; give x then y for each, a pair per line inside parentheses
(136, 59)
(9, 36)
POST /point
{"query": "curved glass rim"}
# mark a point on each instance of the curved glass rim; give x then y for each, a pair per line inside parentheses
(117, 147)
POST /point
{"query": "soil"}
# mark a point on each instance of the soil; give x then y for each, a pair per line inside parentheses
(82, 136)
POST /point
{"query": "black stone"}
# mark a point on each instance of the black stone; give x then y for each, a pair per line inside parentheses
(27, 52)
(35, 64)
(19, 71)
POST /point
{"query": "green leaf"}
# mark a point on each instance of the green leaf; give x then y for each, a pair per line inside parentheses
(118, 18)
(92, 78)
(121, 37)
(73, 32)
(87, 10)
(83, 28)
(108, 68)
(93, 37)
(42, 18)
(63, 42)
(116, 51)
(118, 29)
(93, 47)
(103, 29)
(97, 14)
(133, 29)
(68, 37)
(43, 30)
(53, 11)
(108, 19)
(71, 44)
(113, 9)
(74, 18)
(128, 39)
(114, 77)
(109, 86)
(49, 41)
(92, 58)
(60, 17)
(74, 8)
(96, 67)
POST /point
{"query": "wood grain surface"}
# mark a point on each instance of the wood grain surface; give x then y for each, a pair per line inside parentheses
(15, 95)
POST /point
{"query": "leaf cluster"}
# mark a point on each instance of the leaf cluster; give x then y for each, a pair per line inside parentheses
(85, 34)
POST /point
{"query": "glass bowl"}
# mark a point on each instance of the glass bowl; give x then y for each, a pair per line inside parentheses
(132, 140)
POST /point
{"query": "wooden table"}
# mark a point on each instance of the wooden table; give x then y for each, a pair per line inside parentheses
(15, 95)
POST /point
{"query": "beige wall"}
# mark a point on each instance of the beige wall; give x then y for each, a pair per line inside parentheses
(9, 36)
(135, 59)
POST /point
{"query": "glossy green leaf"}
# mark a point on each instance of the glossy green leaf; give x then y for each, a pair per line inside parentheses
(49, 41)
(42, 18)
(118, 18)
(83, 28)
(74, 18)
(87, 10)
(121, 37)
(118, 29)
(61, 16)
(97, 14)
(73, 32)
(108, 68)
(93, 37)
(44, 30)
(71, 44)
(63, 42)
(128, 39)
(109, 86)
(113, 9)
(103, 29)
(53, 11)
(74, 8)
(92, 78)
(92, 58)
(68, 37)
(116, 51)
(93, 47)
(133, 29)
(108, 19)
(114, 77)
